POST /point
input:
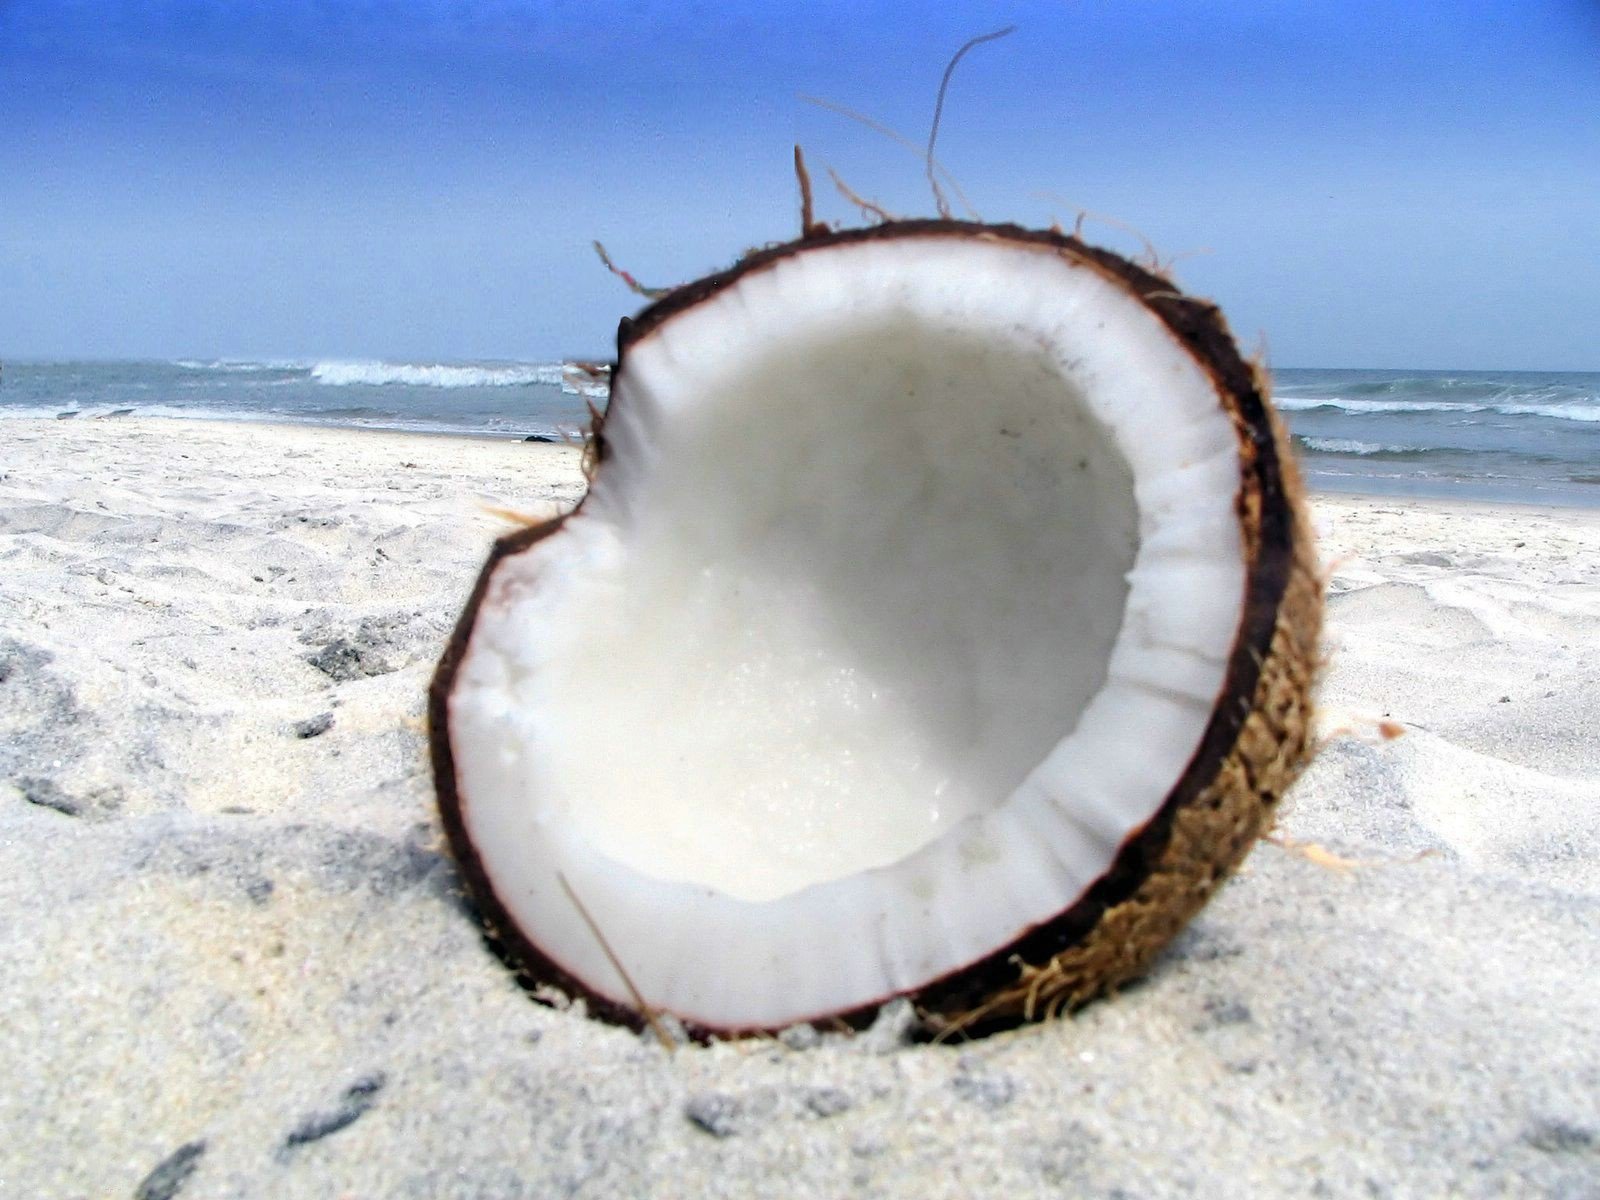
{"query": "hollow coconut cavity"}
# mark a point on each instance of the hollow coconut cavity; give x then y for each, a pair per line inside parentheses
(940, 622)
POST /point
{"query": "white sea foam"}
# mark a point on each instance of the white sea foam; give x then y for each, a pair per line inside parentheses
(1351, 446)
(1308, 403)
(437, 375)
(237, 366)
(1555, 412)
(1559, 412)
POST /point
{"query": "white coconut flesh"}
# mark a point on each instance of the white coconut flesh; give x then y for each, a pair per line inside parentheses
(900, 603)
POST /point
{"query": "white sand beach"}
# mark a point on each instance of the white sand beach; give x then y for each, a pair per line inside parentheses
(236, 961)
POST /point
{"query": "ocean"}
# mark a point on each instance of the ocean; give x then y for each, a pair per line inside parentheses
(1528, 436)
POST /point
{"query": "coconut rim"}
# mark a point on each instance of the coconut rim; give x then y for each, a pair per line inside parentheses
(1263, 502)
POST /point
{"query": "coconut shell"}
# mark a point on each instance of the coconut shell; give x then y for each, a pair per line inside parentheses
(1256, 742)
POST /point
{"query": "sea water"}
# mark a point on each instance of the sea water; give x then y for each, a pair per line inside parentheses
(502, 398)
(1531, 436)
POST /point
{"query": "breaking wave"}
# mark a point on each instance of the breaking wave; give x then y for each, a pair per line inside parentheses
(434, 375)
(238, 366)
(1332, 445)
(1559, 412)
(1516, 407)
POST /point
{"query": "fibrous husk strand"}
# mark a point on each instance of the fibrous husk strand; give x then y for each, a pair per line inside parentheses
(939, 201)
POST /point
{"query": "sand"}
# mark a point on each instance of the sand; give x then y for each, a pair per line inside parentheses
(236, 962)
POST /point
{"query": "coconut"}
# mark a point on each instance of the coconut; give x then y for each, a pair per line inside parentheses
(940, 622)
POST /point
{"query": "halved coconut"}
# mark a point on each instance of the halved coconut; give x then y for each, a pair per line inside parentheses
(940, 622)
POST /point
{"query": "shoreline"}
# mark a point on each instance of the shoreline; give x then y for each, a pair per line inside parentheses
(276, 421)
(1364, 487)
(1583, 513)
(236, 952)
(1558, 500)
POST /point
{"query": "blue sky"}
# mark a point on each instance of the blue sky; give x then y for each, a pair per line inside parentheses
(1360, 184)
